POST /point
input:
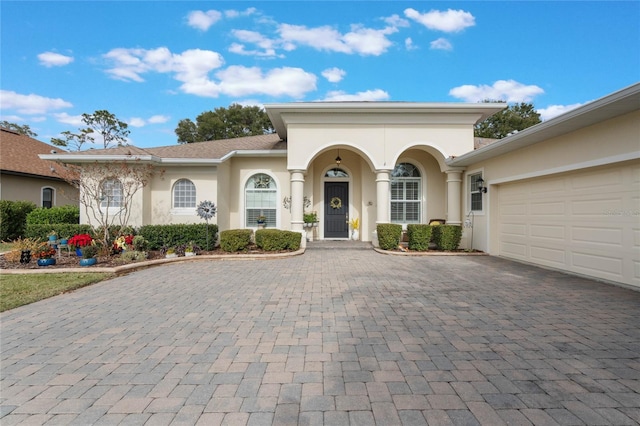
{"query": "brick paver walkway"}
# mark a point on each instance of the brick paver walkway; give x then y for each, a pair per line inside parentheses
(344, 337)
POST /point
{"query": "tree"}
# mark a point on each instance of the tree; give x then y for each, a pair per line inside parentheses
(515, 117)
(107, 191)
(23, 130)
(101, 123)
(223, 123)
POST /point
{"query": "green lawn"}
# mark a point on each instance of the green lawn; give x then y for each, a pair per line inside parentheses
(18, 290)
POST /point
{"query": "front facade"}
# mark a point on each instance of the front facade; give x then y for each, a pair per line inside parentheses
(413, 163)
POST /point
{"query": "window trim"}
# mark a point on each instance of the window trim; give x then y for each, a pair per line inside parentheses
(243, 196)
(53, 195)
(183, 210)
(112, 208)
(421, 190)
(469, 191)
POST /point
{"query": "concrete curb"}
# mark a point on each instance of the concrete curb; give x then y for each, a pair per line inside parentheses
(429, 253)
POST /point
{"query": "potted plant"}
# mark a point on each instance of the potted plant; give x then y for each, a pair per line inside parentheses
(89, 253)
(310, 220)
(191, 249)
(45, 255)
(261, 220)
(170, 253)
(123, 243)
(355, 225)
(53, 236)
(79, 241)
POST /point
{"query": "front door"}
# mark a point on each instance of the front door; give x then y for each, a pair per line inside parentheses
(336, 209)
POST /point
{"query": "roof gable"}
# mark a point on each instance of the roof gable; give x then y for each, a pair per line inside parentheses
(19, 154)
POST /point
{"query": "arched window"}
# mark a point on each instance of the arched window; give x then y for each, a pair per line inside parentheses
(336, 173)
(405, 194)
(111, 193)
(260, 194)
(184, 194)
(47, 198)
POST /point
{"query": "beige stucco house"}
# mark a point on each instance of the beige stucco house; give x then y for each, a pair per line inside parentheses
(562, 194)
(26, 177)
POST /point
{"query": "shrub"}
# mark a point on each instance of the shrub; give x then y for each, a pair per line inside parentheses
(23, 244)
(276, 239)
(13, 218)
(450, 236)
(436, 233)
(233, 240)
(419, 236)
(389, 235)
(62, 230)
(89, 251)
(139, 243)
(130, 256)
(172, 235)
(54, 215)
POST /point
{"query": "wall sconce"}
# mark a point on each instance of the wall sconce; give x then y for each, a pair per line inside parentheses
(338, 159)
(481, 186)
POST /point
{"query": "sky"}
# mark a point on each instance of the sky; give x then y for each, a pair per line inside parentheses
(154, 63)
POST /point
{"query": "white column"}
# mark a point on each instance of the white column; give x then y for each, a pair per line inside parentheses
(382, 193)
(454, 195)
(297, 200)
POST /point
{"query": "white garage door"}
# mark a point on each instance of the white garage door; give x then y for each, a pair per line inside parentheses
(585, 222)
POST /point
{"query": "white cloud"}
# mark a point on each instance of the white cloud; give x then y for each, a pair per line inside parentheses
(30, 104)
(266, 44)
(238, 13)
(52, 59)
(158, 119)
(441, 44)
(505, 90)
(555, 110)
(369, 95)
(203, 20)
(137, 122)
(74, 120)
(192, 69)
(396, 21)
(334, 75)
(408, 44)
(360, 40)
(450, 21)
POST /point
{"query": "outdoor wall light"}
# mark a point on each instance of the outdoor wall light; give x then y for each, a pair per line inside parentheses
(338, 159)
(481, 186)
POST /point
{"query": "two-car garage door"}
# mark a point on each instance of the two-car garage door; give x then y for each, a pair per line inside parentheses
(585, 222)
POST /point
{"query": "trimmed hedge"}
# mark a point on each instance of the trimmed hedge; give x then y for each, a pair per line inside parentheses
(62, 230)
(419, 236)
(449, 238)
(13, 218)
(389, 235)
(159, 236)
(233, 240)
(61, 214)
(276, 239)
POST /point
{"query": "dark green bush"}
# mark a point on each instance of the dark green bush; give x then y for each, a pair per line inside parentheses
(436, 233)
(276, 239)
(13, 218)
(233, 240)
(389, 235)
(450, 236)
(419, 236)
(158, 236)
(62, 230)
(54, 215)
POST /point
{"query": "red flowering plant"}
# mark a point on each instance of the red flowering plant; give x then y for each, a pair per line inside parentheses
(80, 240)
(123, 242)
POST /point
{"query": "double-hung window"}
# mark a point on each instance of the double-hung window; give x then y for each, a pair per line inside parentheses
(475, 195)
(260, 195)
(405, 194)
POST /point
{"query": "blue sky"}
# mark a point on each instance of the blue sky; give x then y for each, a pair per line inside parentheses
(155, 63)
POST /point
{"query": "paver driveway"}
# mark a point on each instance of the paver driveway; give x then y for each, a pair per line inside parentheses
(330, 337)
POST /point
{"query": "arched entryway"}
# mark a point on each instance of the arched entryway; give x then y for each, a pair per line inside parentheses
(336, 186)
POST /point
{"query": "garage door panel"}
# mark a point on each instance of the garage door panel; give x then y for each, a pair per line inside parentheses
(596, 235)
(548, 256)
(552, 232)
(587, 222)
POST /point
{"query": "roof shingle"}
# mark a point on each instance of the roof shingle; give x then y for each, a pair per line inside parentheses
(19, 154)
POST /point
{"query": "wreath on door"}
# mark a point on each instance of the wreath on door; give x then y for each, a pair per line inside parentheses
(335, 203)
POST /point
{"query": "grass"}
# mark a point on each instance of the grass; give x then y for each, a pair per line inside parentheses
(18, 290)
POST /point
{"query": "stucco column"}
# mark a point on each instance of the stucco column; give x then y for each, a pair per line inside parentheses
(297, 200)
(454, 195)
(382, 192)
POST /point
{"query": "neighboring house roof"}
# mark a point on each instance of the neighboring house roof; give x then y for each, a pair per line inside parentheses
(482, 142)
(19, 155)
(214, 151)
(614, 105)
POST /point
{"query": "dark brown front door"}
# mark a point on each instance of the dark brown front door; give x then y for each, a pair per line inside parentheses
(336, 210)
